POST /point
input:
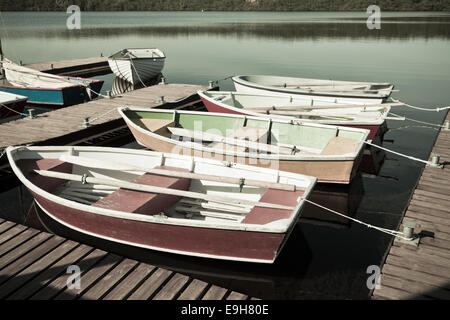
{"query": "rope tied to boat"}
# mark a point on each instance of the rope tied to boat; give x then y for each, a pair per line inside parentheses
(19, 113)
(419, 108)
(394, 233)
(418, 121)
(89, 121)
(212, 82)
(429, 163)
(139, 77)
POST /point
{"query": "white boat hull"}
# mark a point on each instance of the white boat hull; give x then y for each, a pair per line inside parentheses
(137, 70)
(333, 99)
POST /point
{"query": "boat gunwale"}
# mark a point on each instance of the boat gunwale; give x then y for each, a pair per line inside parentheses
(124, 58)
(354, 121)
(280, 157)
(238, 79)
(272, 228)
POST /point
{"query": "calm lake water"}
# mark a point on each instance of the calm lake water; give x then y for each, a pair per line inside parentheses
(411, 50)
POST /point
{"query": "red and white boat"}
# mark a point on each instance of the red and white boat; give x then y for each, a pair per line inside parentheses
(166, 202)
(303, 109)
(11, 105)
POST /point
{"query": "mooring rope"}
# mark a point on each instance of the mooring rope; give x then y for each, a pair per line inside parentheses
(19, 113)
(418, 121)
(401, 154)
(419, 108)
(137, 73)
(394, 233)
(102, 115)
(217, 81)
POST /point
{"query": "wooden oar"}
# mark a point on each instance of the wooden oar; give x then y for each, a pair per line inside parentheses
(337, 106)
(203, 136)
(207, 213)
(154, 189)
(113, 165)
(333, 115)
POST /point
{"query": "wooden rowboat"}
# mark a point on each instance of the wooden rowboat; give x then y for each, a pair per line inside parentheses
(165, 202)
(371, 117)
(330, 153)
(330, 90)
(137, 65)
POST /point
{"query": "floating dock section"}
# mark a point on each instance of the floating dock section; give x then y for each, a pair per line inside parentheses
(423, 271)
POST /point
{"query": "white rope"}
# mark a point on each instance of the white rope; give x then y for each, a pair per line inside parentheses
(102, 115)
(97, 93)
(418, 121)
(400, 154)
(423, 109)
(139, 77)
(3, 152)
(19, 113)
(394, 233)
(407, 127)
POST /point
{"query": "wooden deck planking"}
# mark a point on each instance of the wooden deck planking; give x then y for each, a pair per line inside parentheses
(68, 121)
(423, 272)
(75, 67)
(33, 265)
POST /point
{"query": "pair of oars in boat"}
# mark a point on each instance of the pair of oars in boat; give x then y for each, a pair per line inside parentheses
(307, 88)
(205, 136)
(111, 165)
(334, 106)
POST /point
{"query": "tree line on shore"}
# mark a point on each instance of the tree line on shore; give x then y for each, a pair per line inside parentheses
(225, 5)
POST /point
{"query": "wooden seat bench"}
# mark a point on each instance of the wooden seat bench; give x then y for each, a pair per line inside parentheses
(260, 215)
(145, 202)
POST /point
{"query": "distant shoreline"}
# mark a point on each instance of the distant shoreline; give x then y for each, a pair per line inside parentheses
(228, 5)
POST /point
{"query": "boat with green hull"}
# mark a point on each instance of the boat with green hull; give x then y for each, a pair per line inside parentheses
(330, 153)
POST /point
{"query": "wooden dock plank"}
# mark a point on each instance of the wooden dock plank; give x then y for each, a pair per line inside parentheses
(33, 269)
(91, 277)
(29, 258)
(60, 284)
(11, 233)
(34, 265)
(61, 123)
(127, 285)
(414, 275)
(194, 290)
(22, 248)
(6, 226)
(215, 293)
(237, 296)
(151, 285)
(109, 280)
(423, 272)
(74, 67)
(50, 274)
(172, 288)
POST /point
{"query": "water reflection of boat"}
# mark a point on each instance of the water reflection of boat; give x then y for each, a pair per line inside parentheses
(373, 158)
(121, 86)
(343, 199)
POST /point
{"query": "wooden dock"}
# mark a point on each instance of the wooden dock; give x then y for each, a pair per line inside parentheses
(86, 67)
(423, 272)
(34, 265)
(66, 126)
